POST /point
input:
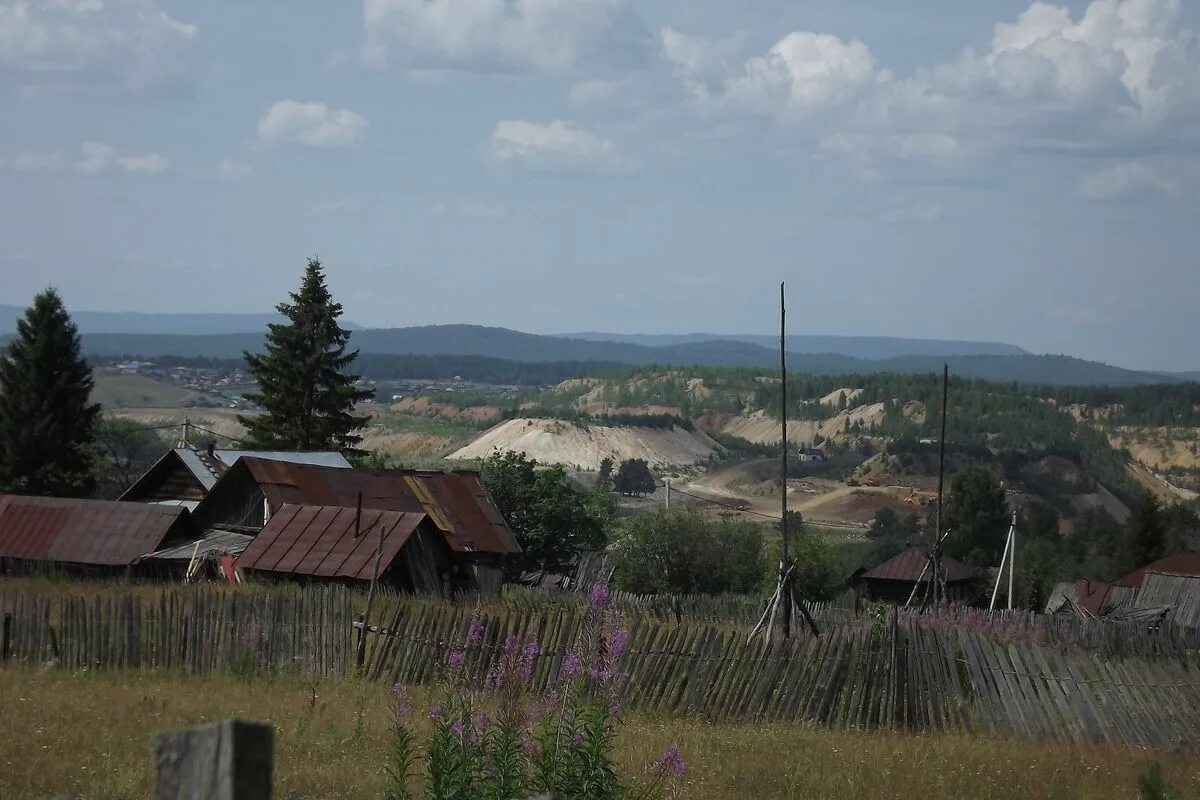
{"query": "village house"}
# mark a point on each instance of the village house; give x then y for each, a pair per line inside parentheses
(184, 475)
(893, 581)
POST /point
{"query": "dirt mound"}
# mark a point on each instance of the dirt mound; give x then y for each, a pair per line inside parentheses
(424, 407)
(834, 398)
(915, 411)
(1162, 449)
(408, 444)
(583, 447)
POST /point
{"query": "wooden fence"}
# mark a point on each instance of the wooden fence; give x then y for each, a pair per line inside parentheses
(889, 671)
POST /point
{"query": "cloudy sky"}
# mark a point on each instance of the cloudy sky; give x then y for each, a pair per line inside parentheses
(999, 170)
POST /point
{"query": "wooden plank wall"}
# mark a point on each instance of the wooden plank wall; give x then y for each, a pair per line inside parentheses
(1005, 675)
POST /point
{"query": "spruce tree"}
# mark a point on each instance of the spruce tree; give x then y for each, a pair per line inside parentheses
(46, 422)
(306, 393)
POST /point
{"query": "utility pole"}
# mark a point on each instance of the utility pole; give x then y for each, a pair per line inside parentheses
(785, 573)
(668, 482)
(938, 581)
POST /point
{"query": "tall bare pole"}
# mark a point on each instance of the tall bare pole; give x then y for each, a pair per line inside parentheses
(785, 596)
(937, 539)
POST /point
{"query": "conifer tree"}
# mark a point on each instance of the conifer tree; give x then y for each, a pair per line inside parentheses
(305, 391)
(46, 420)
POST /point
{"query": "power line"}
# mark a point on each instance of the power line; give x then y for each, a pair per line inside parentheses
(724, 505)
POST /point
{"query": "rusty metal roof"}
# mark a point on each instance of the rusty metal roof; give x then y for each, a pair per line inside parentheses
(320, 540)
(457, 502)
(1179, 564)
(907, 566)
(104, 532)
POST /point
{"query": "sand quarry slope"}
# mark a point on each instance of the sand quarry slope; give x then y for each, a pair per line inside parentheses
(583, 447)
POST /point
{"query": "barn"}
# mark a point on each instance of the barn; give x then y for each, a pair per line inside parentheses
(893, 580)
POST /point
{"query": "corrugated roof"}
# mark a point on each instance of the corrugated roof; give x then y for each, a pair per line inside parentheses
(330, 458)
(456, 501)
(213, 542)
(1179, 593)
(205, 473)
(1179, 564)
(103, 532)
(907, 566)
(320, 540)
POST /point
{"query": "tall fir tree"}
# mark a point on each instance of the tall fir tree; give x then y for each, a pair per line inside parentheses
(304, 388)
(47, 423)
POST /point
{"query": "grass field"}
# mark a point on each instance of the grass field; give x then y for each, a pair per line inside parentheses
(137, 391)
(90, 735)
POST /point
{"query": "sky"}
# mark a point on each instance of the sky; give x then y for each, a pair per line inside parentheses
(1002, 171)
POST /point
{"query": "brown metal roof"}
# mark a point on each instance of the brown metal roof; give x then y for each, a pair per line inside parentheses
(456, 501)
(320, 540)
(101, 532)
(907, 566)
(1179, 564)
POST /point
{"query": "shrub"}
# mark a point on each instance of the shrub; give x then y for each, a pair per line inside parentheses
(684, 551)
(492, 740)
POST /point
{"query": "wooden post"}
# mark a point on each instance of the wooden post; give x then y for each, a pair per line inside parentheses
(784, 565)
(229, 760)
(366, 617)
(6, 637)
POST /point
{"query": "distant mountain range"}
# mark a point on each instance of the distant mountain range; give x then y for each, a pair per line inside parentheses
(501, 343)
(137, 322)
(868, 347)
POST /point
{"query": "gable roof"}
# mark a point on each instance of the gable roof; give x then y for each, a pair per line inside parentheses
(456, 502)
(1179, 564)
(320, 540)
(206, 468)
(1178, 593)
(909, 565)
(103, 532)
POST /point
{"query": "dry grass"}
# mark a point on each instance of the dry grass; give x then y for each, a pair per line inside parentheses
(90, 734)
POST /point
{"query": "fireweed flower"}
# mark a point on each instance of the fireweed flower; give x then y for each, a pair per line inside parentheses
(599, 594)
(672, 761)
(457, 726)
(577, 739)
(456, 658)
(437, 711)
(571, 666)
(483, 719)
(475, 631)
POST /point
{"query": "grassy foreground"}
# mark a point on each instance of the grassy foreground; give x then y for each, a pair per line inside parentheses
(90, 735)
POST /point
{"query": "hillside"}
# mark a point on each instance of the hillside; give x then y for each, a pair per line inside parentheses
(584, 446)
(137, 391)
(864, 347)
(137, 322)
(500, 343)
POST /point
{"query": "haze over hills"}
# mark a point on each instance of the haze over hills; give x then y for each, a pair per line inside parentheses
(501, 343)
(868, 347)
(146, 323)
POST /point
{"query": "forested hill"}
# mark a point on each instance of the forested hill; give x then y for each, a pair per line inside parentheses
(473, 340)
(865, 347)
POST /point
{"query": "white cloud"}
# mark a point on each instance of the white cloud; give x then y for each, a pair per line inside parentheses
(30, 161)
(148, 164)
(913, 213)
(551, 145)
(94, 158)
(470, 209)
(584, 94)
(1124, 178)
(501, 35)
(229, 170)
(312, 124)
(97, 157)
(802, 72)
(1122, 75)
(122, 45)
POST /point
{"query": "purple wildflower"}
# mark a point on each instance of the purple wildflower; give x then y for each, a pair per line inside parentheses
(571, 666)
(577, 739)
(483, 719)
(528, 658)
(599, 594)
(618, 643)
(614, 708)
(399, 688)
(437, 711)
(457, 726)
(672, 760)
(475, 631)
(456, 658)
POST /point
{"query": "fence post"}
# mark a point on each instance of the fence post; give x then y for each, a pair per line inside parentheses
(229, 760)
(6, 637)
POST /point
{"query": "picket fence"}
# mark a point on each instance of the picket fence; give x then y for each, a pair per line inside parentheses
(892, 670)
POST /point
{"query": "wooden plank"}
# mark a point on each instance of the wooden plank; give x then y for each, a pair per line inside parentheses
(230, 760)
